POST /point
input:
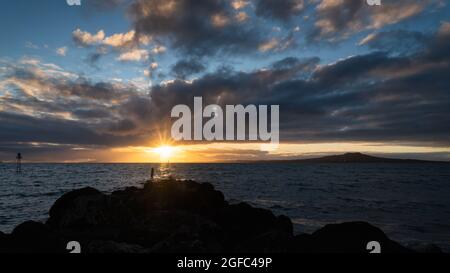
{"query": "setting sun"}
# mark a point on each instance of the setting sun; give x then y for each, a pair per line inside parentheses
(165, 152)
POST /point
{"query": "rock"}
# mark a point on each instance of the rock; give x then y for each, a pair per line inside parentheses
(274, 241)
(4, 242)
(286, 224)
(301, 243)
(36, 237)
(203, 239)
(242, 220)
(162, 225)
(185, 195)
(78, 208)
(348, 237)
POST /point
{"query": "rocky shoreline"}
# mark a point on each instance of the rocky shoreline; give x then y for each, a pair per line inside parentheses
(174, 216)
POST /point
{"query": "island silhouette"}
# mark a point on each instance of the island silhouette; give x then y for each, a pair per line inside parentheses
(348, 158)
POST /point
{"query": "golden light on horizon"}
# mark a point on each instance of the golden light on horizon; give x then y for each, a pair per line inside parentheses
(165, 152)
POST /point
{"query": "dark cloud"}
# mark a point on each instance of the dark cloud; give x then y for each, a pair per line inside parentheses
(100, 91)
(185, 68)
(371, 97)
(93, 58)
(296, 64)
(282, 10)
(353, 69)
(397, 41)
(125, 126)
(27, 129)
(196, 27)
(337, 20)
(286, 63)
(90, 113)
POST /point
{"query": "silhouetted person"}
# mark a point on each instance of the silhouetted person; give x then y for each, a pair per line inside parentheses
(153, 173)
(19, 163)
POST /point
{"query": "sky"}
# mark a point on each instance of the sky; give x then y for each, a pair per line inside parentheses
(97, 82)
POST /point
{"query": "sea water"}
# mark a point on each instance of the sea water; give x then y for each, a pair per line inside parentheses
(410, 202)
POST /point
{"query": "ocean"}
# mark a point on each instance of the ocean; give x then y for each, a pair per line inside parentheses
(410, 202)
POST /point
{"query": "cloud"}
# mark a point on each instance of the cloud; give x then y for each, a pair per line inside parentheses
(399, 41)
(84, 38)
(241, 16)
(279, 10)
(277, 44)
(336, 19)
(394, 13)
(159, 50)
(239, 4)
(120, 39)
(126, 44)
(185, 68)
(296, 64)
(45, 104)
(134, 55)
(368, 39)
(31, 45)
(128, 39)
(444, 29)
(374, 97)
(195, 27)
(62, 51)
(269, 45)
(219, 20)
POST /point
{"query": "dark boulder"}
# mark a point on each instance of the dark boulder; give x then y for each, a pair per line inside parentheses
(78, 208)
(274, 241)
(184, 195)
(242, 220)
(205, 237)
(160, 226)
(4, 242)
(34, 237)
(350, 237)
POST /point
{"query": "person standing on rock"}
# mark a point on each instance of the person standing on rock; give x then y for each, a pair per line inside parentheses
(19, 163)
